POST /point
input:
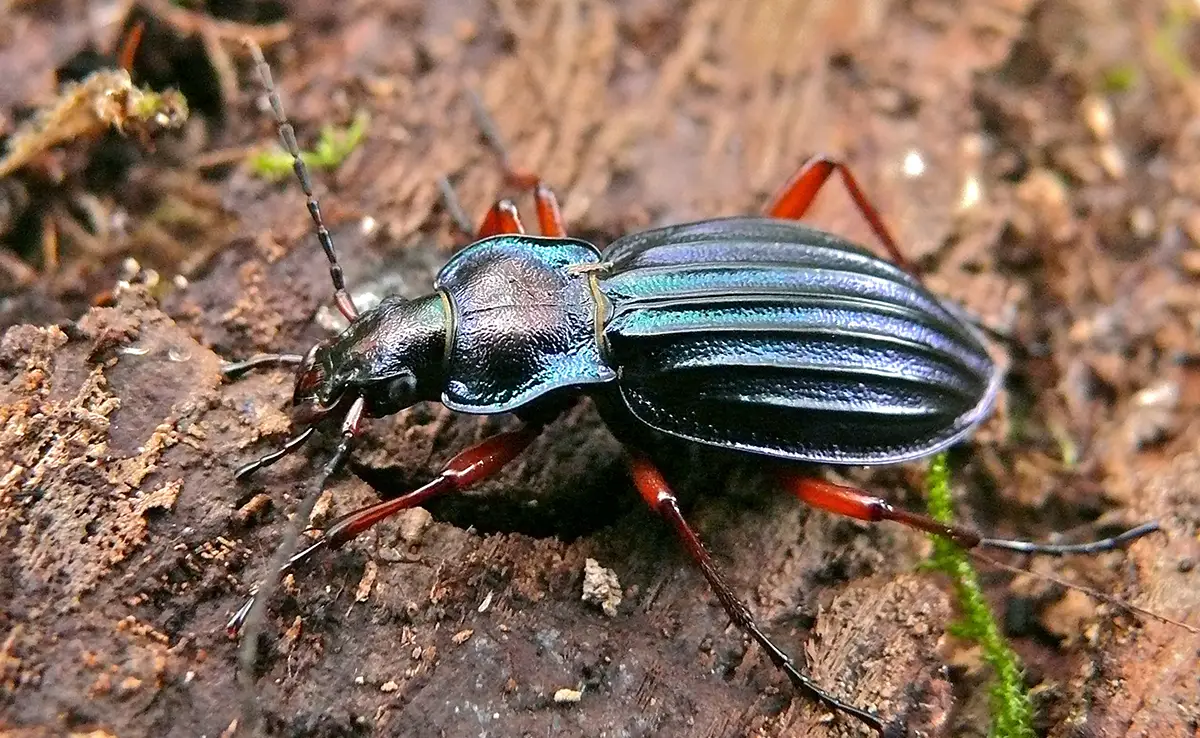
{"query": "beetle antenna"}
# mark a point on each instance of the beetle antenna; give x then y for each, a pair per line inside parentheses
(256, 615)
(287, 135)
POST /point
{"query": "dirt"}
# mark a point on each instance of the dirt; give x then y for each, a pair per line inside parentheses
(1036, 159)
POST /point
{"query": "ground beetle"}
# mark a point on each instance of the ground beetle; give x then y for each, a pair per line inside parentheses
(752, 334)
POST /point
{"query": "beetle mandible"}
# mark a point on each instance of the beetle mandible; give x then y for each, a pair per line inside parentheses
(752, 334)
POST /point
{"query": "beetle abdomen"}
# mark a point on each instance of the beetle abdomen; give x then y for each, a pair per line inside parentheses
(770, 337)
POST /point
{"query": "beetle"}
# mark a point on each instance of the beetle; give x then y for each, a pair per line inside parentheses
(756, 334)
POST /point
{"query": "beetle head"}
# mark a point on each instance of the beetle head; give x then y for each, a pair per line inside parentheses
(391, 356)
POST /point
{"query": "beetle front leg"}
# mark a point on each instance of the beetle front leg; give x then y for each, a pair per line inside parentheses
(549, 215)
(501, 218)
(289, 446)
(550, 220)
(658, 495)
(855, 503)
(468, 467)
(233, 369)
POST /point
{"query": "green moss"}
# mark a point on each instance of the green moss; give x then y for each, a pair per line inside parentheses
(333, 146)
(1068, 450)
(1121, 78)
(1169, 39)
(1012, 711)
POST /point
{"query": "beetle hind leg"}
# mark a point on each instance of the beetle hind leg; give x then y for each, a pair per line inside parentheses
(855, 503)
(661, 499)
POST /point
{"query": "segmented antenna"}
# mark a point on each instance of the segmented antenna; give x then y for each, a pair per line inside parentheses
(287, 135)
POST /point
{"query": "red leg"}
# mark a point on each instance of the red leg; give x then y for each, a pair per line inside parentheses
(467, 468)
(658, 495)
(855, 503)
(796, 197)
(501, 218)
(550, 220)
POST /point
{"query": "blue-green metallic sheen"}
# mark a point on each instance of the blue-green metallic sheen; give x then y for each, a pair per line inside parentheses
(750, 334)
(770, 337)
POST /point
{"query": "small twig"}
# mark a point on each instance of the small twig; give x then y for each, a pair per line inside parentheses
(227, 79)
(189, 22)
(223, 157)
(49, 244)
(18, 271)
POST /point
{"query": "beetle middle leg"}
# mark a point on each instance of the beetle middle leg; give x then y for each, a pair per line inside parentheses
(658, 495)
(795, 198)
(855, 503)
(503, 217)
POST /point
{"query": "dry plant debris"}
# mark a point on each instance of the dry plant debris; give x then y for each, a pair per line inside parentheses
(106, 99)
